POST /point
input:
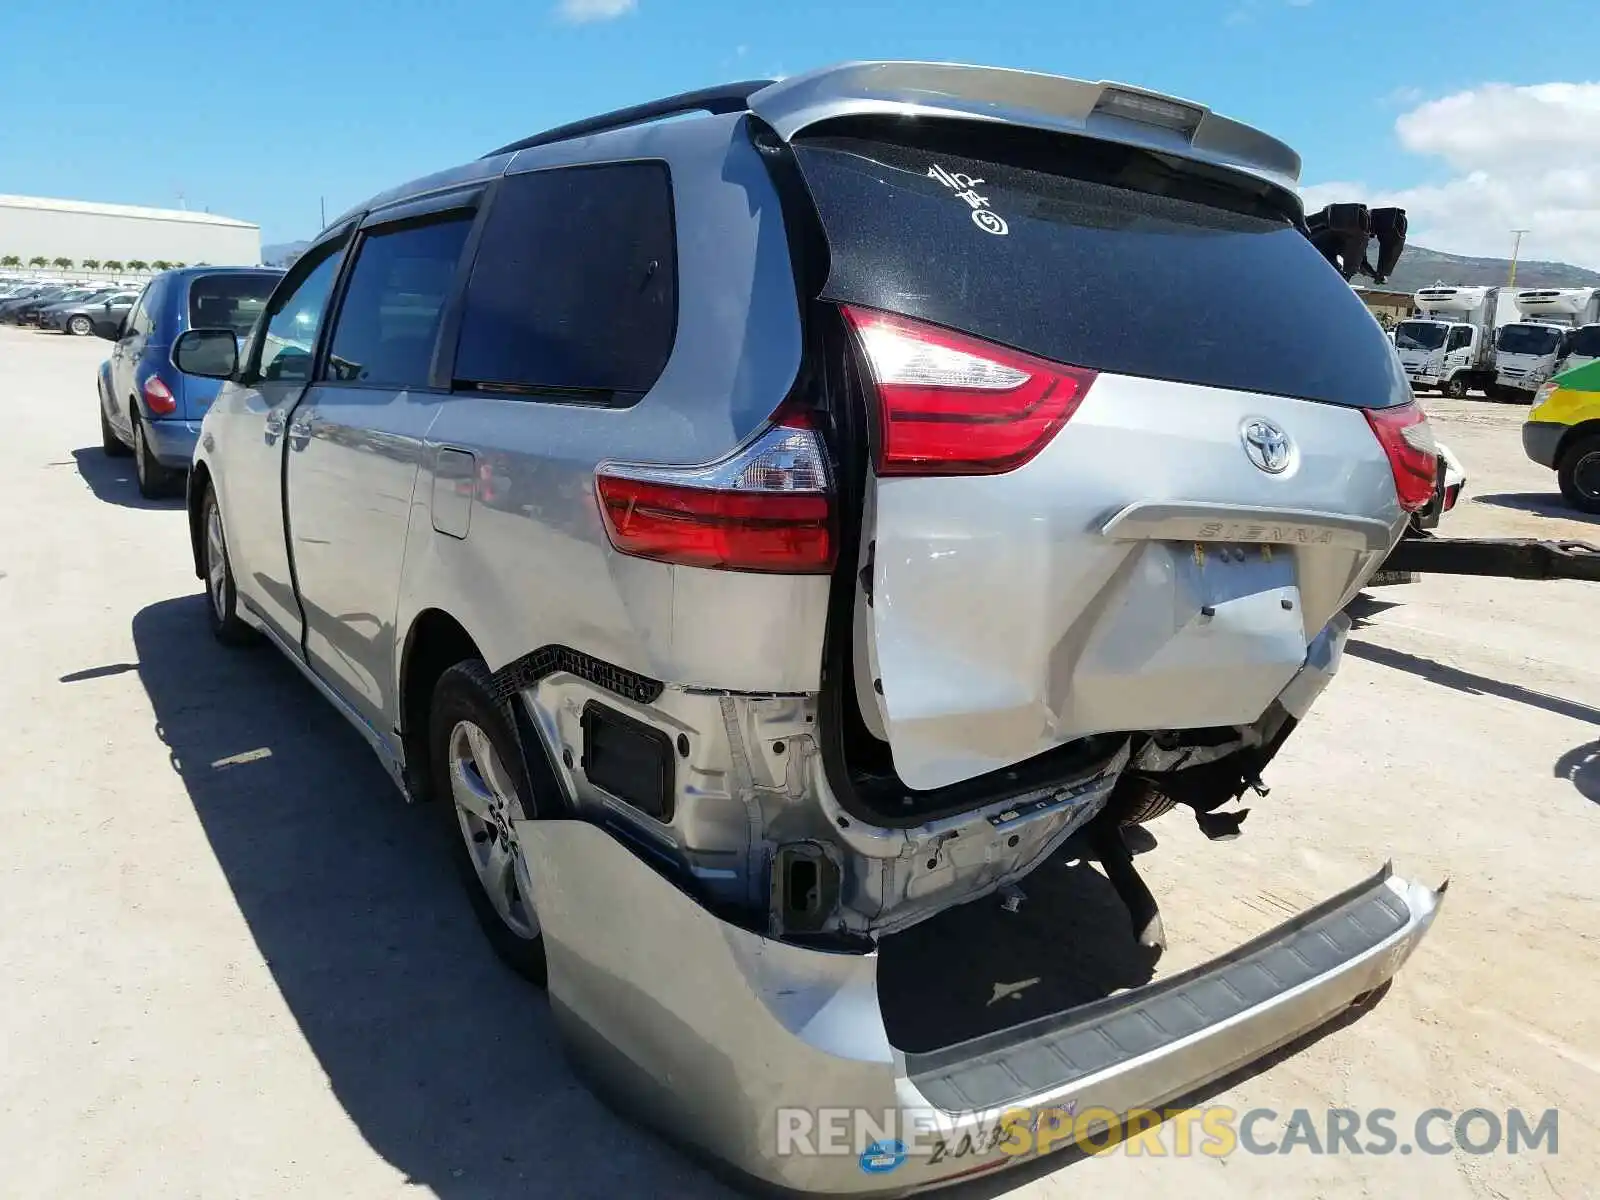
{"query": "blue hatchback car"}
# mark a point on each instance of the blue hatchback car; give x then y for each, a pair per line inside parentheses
(148, 406)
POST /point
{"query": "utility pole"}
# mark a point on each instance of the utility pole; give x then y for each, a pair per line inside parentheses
(1515, 246)
(322, 205)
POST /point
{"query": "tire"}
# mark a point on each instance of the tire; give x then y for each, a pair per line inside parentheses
(1144, 802)
(481, 784)
(109, 441)
(80, 326)
(1578, 472)
(1455, 388)
(222, 597)
(155, 481)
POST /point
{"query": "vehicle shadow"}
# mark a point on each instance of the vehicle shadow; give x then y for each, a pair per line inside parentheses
(1469, 682)
(1543, 504)
(1365, 607)
(446, 1062)
(1581, 767)
(113, 480)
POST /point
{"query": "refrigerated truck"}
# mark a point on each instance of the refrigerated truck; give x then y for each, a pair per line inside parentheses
(1451, 345)
(1529, 351)
(1583, 348)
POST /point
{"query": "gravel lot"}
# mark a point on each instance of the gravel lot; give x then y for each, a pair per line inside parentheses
(234, 964)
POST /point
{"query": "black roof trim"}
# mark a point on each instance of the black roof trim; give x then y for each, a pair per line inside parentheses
(726, 98)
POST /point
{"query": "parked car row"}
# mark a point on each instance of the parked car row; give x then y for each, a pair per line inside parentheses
(148, 407)
(80, 309)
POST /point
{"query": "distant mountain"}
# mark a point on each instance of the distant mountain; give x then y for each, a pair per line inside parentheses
(283, 253)
(1419, 267)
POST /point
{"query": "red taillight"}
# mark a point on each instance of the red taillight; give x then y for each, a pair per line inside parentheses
(766, 507)
(956, 405)
(1407, 439)
(158, 397)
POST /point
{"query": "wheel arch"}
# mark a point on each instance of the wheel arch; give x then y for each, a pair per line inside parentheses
(434, 643)
(1580, 431)
(194, 499)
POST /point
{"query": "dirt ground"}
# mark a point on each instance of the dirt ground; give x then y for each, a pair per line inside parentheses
(234, 964)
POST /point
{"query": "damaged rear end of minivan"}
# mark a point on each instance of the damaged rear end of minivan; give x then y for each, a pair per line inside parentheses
(1092, 449)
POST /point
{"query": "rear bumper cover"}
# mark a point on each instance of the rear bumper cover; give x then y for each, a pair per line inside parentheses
(716, 1036)
(1541, 439)
(172, 441)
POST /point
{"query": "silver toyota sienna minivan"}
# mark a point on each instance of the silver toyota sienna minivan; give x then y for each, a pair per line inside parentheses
(761, 531)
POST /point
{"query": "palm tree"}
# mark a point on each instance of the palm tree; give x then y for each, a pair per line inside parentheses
(38, 260)
(91, 264)
(10, 260)
(161, 264)
(113, 264)
(62, 263)
(138, 264)
(179, 265)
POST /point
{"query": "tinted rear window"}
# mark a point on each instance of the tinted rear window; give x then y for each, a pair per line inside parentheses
(1175, 277)
(231, 301)
(574, 288)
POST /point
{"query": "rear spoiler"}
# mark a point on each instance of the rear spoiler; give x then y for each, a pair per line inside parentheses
(1108, 111)
(1114, 112)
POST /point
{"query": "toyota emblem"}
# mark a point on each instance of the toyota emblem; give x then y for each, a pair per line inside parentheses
(1267, 446)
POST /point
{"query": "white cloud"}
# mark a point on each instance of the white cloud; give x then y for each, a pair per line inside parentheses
(1522, 158)
(581, 11)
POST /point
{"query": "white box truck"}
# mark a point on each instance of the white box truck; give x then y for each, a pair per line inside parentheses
(1583, 347)
(1528, 351)
(1451, 346)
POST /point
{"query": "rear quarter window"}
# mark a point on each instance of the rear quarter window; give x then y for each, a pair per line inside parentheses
(1098, 256)
(573, 292)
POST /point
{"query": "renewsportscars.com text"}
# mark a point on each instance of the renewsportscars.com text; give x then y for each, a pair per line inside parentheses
(1212, 1131)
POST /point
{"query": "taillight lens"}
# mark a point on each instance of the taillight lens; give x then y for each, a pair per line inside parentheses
(767, 507)
(158, 397)
(950, 404)
(1407, 439)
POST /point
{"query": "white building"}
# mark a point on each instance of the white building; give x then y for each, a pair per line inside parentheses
(31, 227)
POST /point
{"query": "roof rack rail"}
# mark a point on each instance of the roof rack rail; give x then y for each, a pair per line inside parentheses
(726, 98)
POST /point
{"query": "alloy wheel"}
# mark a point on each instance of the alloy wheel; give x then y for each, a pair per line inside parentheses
(216, 563)
(486, 808)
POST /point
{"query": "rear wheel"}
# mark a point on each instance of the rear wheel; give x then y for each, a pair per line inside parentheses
(221, 594)
(1579, 474)
(80, 326)
(154, 480)
(479, 776)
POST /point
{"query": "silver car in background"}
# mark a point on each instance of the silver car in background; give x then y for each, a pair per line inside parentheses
(762, 531)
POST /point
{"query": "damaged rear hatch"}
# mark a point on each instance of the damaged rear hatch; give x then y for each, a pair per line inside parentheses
(1134, 442)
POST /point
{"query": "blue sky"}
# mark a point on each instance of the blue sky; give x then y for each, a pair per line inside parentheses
(256, 110)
